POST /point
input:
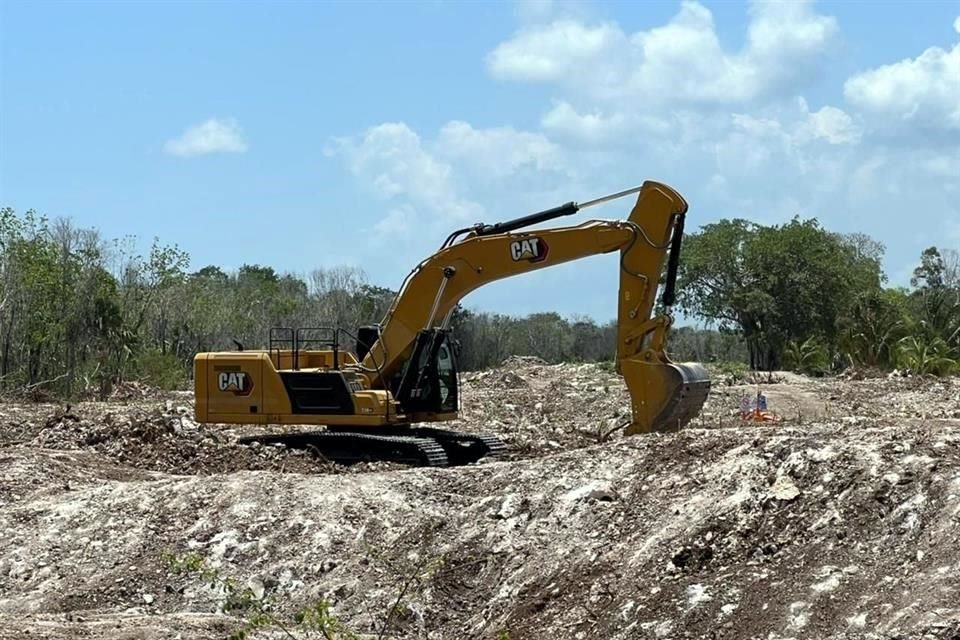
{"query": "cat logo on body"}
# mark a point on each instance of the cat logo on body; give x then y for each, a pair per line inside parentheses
(529, 249)
(236, 382)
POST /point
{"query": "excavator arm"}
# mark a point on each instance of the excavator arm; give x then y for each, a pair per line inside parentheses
(664, 395)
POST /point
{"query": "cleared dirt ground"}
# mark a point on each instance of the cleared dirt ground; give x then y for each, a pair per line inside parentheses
(840, 520)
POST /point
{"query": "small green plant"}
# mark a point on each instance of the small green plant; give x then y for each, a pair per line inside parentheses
(314, 621)
(809, 356)
(607, 366)
(411, 580)
(729, 372)
(922, 356)
(318, 618)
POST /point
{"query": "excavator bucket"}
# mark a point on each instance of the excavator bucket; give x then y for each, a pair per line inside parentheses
(666, 396)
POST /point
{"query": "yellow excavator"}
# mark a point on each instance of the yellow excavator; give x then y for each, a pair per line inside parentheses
(373, 402)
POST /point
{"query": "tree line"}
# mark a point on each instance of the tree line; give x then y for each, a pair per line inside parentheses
(813, 300)
(487, 339)
(79, 314)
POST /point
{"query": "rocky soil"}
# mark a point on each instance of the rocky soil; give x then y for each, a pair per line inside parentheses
(838, 518)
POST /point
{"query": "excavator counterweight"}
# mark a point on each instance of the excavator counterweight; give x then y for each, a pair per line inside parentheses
(403, 371)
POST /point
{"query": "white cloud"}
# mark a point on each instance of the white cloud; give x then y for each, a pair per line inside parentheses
(956, 24)
(791, 121)
(786, 139)
(833, 125)
(668, 85)
(439, 181)
(396, 225)
(770, 163)
(212, 136)
(759, 127)
(591, 127)
(598, 125)
(392, 158)
(915, 93)
(553, 52)
(786, 40)
(946, 165)
(869, 177)
(680, 61)
(795, 124)
(499, 151)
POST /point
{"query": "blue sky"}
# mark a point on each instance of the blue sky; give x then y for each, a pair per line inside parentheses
(305, 135)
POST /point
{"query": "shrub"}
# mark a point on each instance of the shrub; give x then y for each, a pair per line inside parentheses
(809, 356)
(162, 370)
(728, 372)
(924, 356)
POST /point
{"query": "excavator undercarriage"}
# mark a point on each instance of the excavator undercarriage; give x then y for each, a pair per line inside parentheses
(374, 401)
(403, 444)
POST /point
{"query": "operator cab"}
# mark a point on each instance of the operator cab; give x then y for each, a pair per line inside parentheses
(428, 381)
(320, 376)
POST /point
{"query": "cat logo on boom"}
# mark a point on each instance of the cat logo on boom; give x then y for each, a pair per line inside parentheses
(529, 249)
(236, 382)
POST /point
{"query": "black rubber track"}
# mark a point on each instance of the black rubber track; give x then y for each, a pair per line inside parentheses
(352, 447)
(460, 447)
(419, 446)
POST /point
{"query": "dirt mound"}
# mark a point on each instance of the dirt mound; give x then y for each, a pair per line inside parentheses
(893, 398)
(157, 436)
(699, 534)
(838, 521)
(538, 408)
(522, 361)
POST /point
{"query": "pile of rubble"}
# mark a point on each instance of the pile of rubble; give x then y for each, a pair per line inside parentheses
(724, 533)
(538, 408)
(893, 398)
(156, 436)
(840, 520)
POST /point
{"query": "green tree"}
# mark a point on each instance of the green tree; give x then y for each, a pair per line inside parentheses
(930, 273)
(874, 325)
(776, 284)
(935, 305)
